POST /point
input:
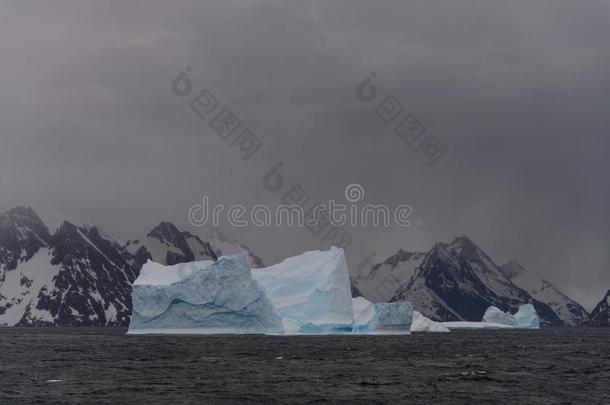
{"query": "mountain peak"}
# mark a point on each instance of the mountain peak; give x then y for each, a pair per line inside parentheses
(461, 248)
(512, 269)
(23, 210)
(459, 281)
(21, 215)
(165, 231)
(22, 234)
(600, 316)
(462, 242)
(66, 228)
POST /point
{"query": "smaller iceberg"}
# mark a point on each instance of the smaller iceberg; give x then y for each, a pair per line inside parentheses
(422, 324)
(383, 318)
(494, 318)
(525, 318)
(496, 315)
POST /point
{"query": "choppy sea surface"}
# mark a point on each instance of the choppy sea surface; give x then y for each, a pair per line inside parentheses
(103, 365)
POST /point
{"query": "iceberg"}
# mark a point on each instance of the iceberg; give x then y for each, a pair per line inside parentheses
(381, 318)
(496, 315)
(310, 292)
(494, 318)
(209, 298)
(306, 294)
(525, 318)
(422, 324)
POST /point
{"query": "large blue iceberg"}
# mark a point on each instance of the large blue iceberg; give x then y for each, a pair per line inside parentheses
(306, 294)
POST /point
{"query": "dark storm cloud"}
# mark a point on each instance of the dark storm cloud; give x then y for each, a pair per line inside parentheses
(517, 92)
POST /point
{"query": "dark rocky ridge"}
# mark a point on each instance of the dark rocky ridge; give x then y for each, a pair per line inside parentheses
(22, 234)
(458, 281)
(600, 317)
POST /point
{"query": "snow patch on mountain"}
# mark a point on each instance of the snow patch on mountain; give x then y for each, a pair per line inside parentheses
(568, 310)
(22, 287)
(381, 283)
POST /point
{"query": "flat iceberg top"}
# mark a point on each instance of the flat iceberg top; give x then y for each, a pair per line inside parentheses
(157, 274)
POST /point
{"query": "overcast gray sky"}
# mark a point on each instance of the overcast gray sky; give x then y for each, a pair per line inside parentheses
(518, 93)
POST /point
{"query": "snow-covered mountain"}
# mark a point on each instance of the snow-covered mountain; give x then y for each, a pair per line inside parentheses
(24, 262)
(168, 245)
(600, 316)
(384, 279)
(458, 281)
(568, 310)
(79, 276)
(22, 235)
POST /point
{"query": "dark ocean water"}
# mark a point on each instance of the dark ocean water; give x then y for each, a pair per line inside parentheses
(103, 365)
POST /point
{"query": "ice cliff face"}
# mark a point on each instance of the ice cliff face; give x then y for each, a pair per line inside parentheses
(382, 318)
(311, 292)
(220, 297)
